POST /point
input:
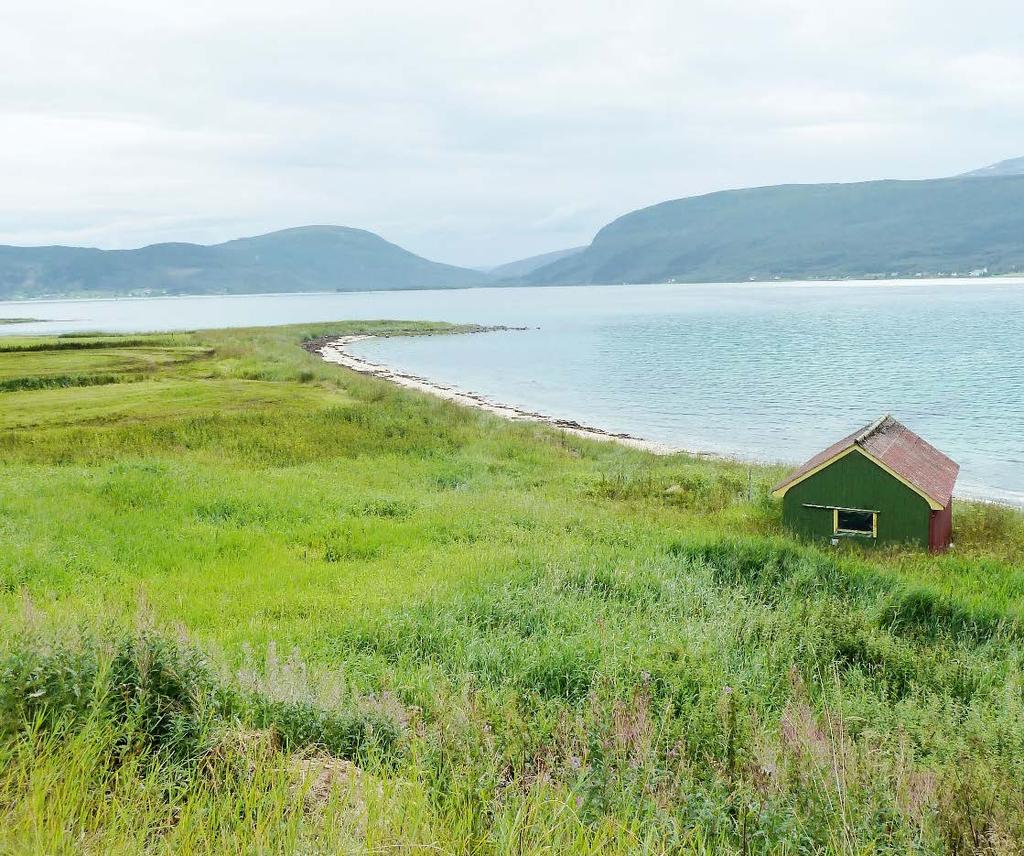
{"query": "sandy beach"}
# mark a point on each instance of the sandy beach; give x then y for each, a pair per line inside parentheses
(334, 351)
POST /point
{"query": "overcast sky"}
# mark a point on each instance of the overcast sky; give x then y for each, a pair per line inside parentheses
(475, 132)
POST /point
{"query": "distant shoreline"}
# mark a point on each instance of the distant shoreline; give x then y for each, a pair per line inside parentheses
(1007, 279)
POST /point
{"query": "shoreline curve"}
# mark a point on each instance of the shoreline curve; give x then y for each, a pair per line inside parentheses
(334, 351)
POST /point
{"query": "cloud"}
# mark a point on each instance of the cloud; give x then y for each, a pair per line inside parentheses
(994, 78)
(476, 132)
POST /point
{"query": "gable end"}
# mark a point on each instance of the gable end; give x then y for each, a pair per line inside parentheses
(781, 491)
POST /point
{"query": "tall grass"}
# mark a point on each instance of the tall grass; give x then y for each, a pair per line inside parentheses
(373, 621)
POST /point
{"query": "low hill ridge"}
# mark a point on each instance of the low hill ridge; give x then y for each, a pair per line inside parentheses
(1013, 166)
(304, 258)
(521, 267)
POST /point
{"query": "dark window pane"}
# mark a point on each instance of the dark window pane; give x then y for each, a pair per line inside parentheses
(856, 521)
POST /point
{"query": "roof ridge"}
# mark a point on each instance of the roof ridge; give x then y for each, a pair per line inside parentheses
(893, 446)
(872, 428)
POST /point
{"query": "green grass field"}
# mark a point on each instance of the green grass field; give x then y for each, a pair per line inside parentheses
(255, 603)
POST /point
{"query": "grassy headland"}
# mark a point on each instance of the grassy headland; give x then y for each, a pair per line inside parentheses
(257, 603)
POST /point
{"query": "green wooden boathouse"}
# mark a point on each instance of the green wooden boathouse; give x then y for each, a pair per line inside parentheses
(880, 485)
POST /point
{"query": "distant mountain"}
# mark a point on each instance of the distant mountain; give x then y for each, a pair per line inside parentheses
(808, 231)
(1014, 166)
(528, 265)
(309, 258)
(936, 227)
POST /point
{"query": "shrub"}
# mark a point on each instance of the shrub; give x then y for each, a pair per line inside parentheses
(163, 696)
(166, 702)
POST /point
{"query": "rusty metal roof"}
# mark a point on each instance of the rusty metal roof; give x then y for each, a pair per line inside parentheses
(898, 448)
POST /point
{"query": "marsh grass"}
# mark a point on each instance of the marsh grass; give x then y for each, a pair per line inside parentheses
(255, 603)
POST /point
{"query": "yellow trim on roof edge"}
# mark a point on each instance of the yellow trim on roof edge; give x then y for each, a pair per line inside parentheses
(778, 493)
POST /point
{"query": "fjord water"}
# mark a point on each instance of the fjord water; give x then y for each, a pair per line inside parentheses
(765, 371)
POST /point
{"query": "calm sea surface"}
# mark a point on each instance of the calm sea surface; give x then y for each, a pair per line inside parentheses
(766, 371)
